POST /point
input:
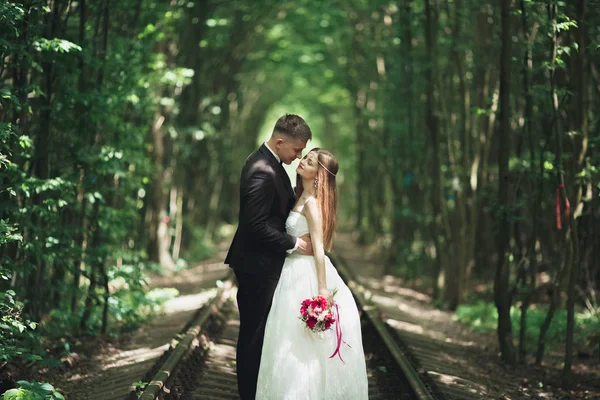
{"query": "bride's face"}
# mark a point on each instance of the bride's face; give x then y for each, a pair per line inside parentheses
(309, 166)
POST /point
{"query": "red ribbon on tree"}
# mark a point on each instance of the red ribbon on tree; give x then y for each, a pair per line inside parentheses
(567, 207)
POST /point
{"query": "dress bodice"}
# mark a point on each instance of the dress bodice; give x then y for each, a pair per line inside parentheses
(296, 224)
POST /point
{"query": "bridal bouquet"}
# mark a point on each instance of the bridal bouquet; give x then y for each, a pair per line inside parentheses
(317, 314)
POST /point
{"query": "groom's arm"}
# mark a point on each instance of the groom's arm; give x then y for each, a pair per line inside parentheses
(258, 199)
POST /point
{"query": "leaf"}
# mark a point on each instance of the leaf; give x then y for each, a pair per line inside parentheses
(25, 384)
(16, 394)
(11, 392)
(5, 93)
(47, 387)
(55, 45)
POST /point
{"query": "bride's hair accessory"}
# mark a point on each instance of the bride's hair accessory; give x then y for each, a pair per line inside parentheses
(325, 168)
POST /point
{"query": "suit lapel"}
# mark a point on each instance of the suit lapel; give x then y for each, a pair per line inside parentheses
(285, 179)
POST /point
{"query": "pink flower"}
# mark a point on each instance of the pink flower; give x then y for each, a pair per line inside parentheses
(303, 311)
(321, 302)
(311, 322)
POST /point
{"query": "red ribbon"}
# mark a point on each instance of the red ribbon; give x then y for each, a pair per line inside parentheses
(557, 201)
(567, 207)
(338, 336)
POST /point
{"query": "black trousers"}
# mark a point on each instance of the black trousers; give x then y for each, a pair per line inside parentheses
(254, 297)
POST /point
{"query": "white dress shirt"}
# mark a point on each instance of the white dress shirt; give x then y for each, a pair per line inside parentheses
(272, 152)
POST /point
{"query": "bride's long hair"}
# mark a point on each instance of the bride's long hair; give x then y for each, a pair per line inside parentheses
(326, 193)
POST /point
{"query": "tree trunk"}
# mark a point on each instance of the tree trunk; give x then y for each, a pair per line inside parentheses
(401, 155)
(465, 196)
(441, 223)
(431, 121)
(158, 251)
(554, 302)
(91, 296)
(537, 184)
(567, 259)
(106, 296)
(362, 181)
(178, 225)
(501, 281)
(80, 220)
(38, 291)
(582, 126)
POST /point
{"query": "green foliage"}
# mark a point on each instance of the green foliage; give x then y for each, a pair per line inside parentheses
(139, 385)
(483, 316)
(200, 248)
(55, 46)
(131, 308)
(15, 332)
(130, 305)
(33, 391)
(74, 167)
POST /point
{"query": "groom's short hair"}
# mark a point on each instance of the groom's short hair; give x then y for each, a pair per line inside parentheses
(293, 126)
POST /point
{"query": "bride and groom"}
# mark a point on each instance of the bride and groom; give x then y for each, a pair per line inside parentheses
(278, 257)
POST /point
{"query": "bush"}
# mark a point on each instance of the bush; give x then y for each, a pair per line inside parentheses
(33, 391)
(483, 316)
(14, 331)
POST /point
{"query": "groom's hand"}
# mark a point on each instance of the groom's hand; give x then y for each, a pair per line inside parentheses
(305, 245)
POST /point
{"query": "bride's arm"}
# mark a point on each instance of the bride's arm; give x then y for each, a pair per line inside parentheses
(315, 228)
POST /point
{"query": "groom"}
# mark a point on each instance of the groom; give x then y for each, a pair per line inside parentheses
(260, 244)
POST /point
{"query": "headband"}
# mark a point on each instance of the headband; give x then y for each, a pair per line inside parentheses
(325, 168)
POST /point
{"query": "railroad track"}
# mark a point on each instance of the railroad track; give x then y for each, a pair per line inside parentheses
(202, 364)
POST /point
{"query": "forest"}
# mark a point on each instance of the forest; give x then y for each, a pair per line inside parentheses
(466, 132)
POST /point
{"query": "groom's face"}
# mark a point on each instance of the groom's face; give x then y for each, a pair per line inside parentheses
(290, 149)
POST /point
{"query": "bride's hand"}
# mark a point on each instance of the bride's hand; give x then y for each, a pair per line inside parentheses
(327, 294)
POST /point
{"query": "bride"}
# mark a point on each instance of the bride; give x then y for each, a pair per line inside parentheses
(295, 362)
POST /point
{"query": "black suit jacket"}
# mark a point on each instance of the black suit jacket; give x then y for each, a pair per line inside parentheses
(266, 198)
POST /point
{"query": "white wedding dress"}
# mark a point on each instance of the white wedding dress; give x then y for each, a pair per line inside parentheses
(295, 363)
